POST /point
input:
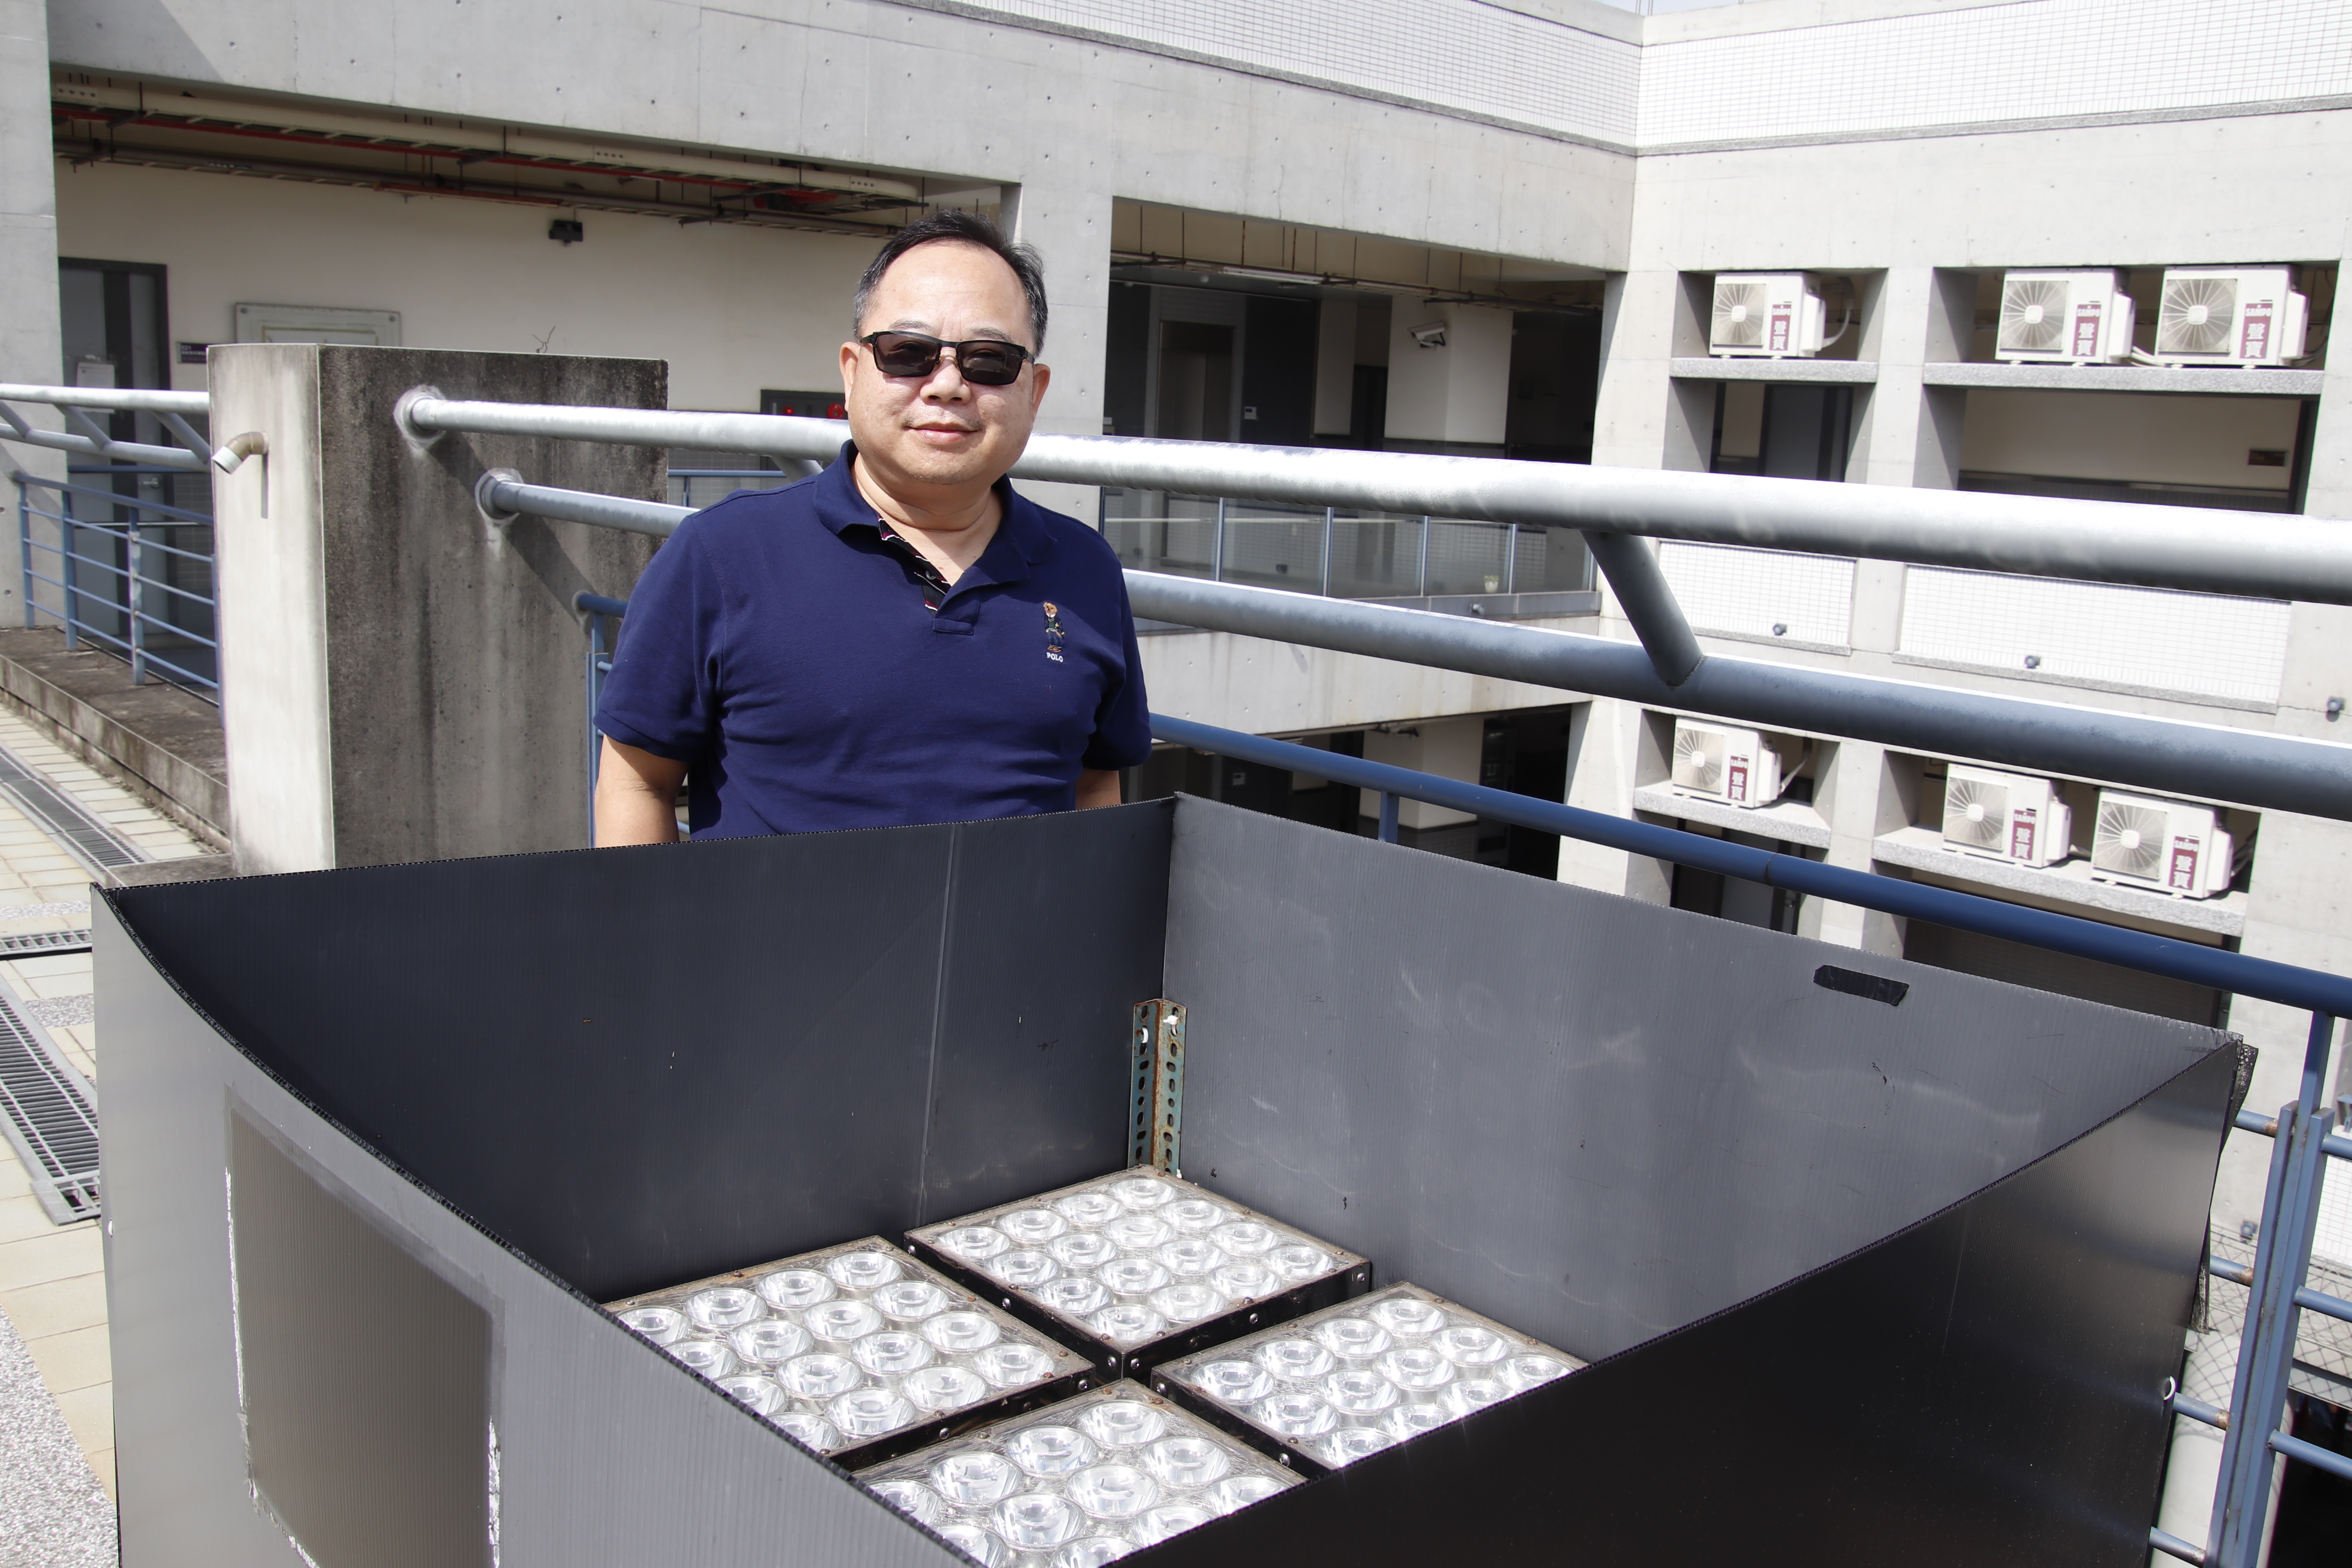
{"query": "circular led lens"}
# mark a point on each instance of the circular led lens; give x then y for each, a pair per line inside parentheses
(820, 1376)
(1170, 1518)
(724, 1307)
(1132, 1275)
(870, 1412)
(976, 1544)
(909, 1300)
(1136, 1232)
(867, 1270)
(1011, 1364)
(1350, 1444)
(1084, 1250)
(1113, 1491)
(1470, 1345)
(1406, 1317)
(1142, 1191)
(975, 1243)
(913, 1499)
(1089, 1209)
(1244, 1238)
(1187, 1303)
(1244, 1281)
(943, 1388)
(1195, 1214)
(814, 1430)
(1031, 1228)
(1185, 1460)
(1416, 1366)
(1024, 1270)
(1351, 1339)
(1358, 1389)
(793, 1289)
(1413, 1420)
(1296, 1415)
(1128, 1324)
(770, 1340)
(838, 1321)
(1091, 1552)
(1294, 1358)
(1296, 1263)
(1240, 1491)
(1189, 1256)
(1233, 1381)
(1527, 1370)
(663, 1325)
(761, 1393)
(711, 1358)
(1035, 1521)
(1051, 1450)
(957, 1332)
(1122, 1422)
(975, 1477)
(1476, 1393)
(892, 1355)
(1076, 1296)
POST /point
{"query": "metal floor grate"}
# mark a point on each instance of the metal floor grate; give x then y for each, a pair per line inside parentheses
(46, 1111)
(34, 944)
(89, 840)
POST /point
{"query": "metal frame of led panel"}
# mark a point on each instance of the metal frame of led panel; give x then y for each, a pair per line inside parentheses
(1088, 1480)
(1072, 1235)
(858, 1350)
(1326, 1390)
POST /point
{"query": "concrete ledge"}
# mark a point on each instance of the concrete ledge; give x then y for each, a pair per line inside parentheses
(2066, 887)
(1790, 822)
(162, 744)
(2203, 380)
(1840, 372)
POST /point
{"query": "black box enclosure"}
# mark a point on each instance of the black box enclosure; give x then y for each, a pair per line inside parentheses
(1861, 1281)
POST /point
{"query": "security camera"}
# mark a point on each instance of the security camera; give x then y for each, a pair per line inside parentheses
(1432, 336)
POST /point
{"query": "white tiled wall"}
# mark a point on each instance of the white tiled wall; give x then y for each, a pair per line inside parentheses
(1724, 588)
(2198, 643)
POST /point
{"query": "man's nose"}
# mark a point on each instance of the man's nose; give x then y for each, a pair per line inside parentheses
(947, 383)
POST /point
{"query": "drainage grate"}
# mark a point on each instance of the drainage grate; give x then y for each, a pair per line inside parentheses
(90, 841)
(45, 1109)
(33, 943)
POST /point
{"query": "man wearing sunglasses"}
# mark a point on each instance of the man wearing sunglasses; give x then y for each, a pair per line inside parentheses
(903, 638)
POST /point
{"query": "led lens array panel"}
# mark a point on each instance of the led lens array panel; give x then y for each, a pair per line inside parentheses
(1365, 1375)
(1080, 1483)
(1141, 1266)
(857, 1350)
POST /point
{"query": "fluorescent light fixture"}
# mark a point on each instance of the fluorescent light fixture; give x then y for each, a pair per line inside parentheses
(1077, 1484)
(1140, 1266)
(1365, 1375)
(858, 1350)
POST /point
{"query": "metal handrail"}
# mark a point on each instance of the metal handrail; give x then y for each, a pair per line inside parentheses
(75, 402)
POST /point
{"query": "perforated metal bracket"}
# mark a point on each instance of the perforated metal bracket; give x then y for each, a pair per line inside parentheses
(1156, 1111)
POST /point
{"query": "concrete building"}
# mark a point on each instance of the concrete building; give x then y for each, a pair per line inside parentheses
(1429, 225)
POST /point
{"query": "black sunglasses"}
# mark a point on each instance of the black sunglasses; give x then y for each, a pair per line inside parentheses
(985, 362)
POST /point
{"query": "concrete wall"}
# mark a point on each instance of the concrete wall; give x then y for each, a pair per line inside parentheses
(403, 680)
(1458, 393)
(29, 348)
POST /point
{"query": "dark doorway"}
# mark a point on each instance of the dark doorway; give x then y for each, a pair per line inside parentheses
(1786, 430)
(1555, 386)
(1196, 382)
(1278, 372)
(1368, 407)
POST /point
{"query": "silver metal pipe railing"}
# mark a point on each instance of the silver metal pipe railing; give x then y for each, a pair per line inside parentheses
(2257, 555)
(75, 402)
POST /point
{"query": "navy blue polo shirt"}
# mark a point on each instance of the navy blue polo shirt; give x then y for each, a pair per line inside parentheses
(780, 646)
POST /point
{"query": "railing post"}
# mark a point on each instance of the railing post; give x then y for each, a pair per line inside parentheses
(1511, 558)
(1421, 576)
(131, 596)
(1217, 546)
(1389, 802)
(66, 571)
(595, 689)
(1330, 515)
(24, 543)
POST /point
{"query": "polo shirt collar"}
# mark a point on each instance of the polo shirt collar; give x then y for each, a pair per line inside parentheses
(1021, 529)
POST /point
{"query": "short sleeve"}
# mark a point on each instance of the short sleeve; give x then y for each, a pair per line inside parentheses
(1122, 737)
(661, 694)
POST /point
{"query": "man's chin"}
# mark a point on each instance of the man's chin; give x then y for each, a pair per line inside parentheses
(946, 467)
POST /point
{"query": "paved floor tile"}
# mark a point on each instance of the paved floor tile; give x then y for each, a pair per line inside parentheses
(22, 1216)
(58, 1306)
(65, 1252)
(91, 1413)
(75, 1358)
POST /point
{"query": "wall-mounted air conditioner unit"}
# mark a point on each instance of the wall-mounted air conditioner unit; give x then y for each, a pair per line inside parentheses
(2008, 817)
(2068, 318)
(1736, 767)
(1766, 315)
(2174, 848)
(2230, 315)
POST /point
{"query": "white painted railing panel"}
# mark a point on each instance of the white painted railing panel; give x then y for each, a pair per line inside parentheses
(1761, 592)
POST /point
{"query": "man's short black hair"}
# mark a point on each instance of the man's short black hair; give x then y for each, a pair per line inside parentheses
(972, 229)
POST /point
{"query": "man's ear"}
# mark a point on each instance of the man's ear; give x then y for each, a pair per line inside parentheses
(1040, 375)
(849, 358)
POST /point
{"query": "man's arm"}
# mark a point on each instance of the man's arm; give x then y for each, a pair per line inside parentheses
(1096, 786)
(636, 795)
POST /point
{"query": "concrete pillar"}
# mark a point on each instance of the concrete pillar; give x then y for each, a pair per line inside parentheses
(403, 680)
(1611, 749)
(1071, 229)
(1335, 367)
(1446, 747)
(1644, 418)
(1449, 374)
(29, 344)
